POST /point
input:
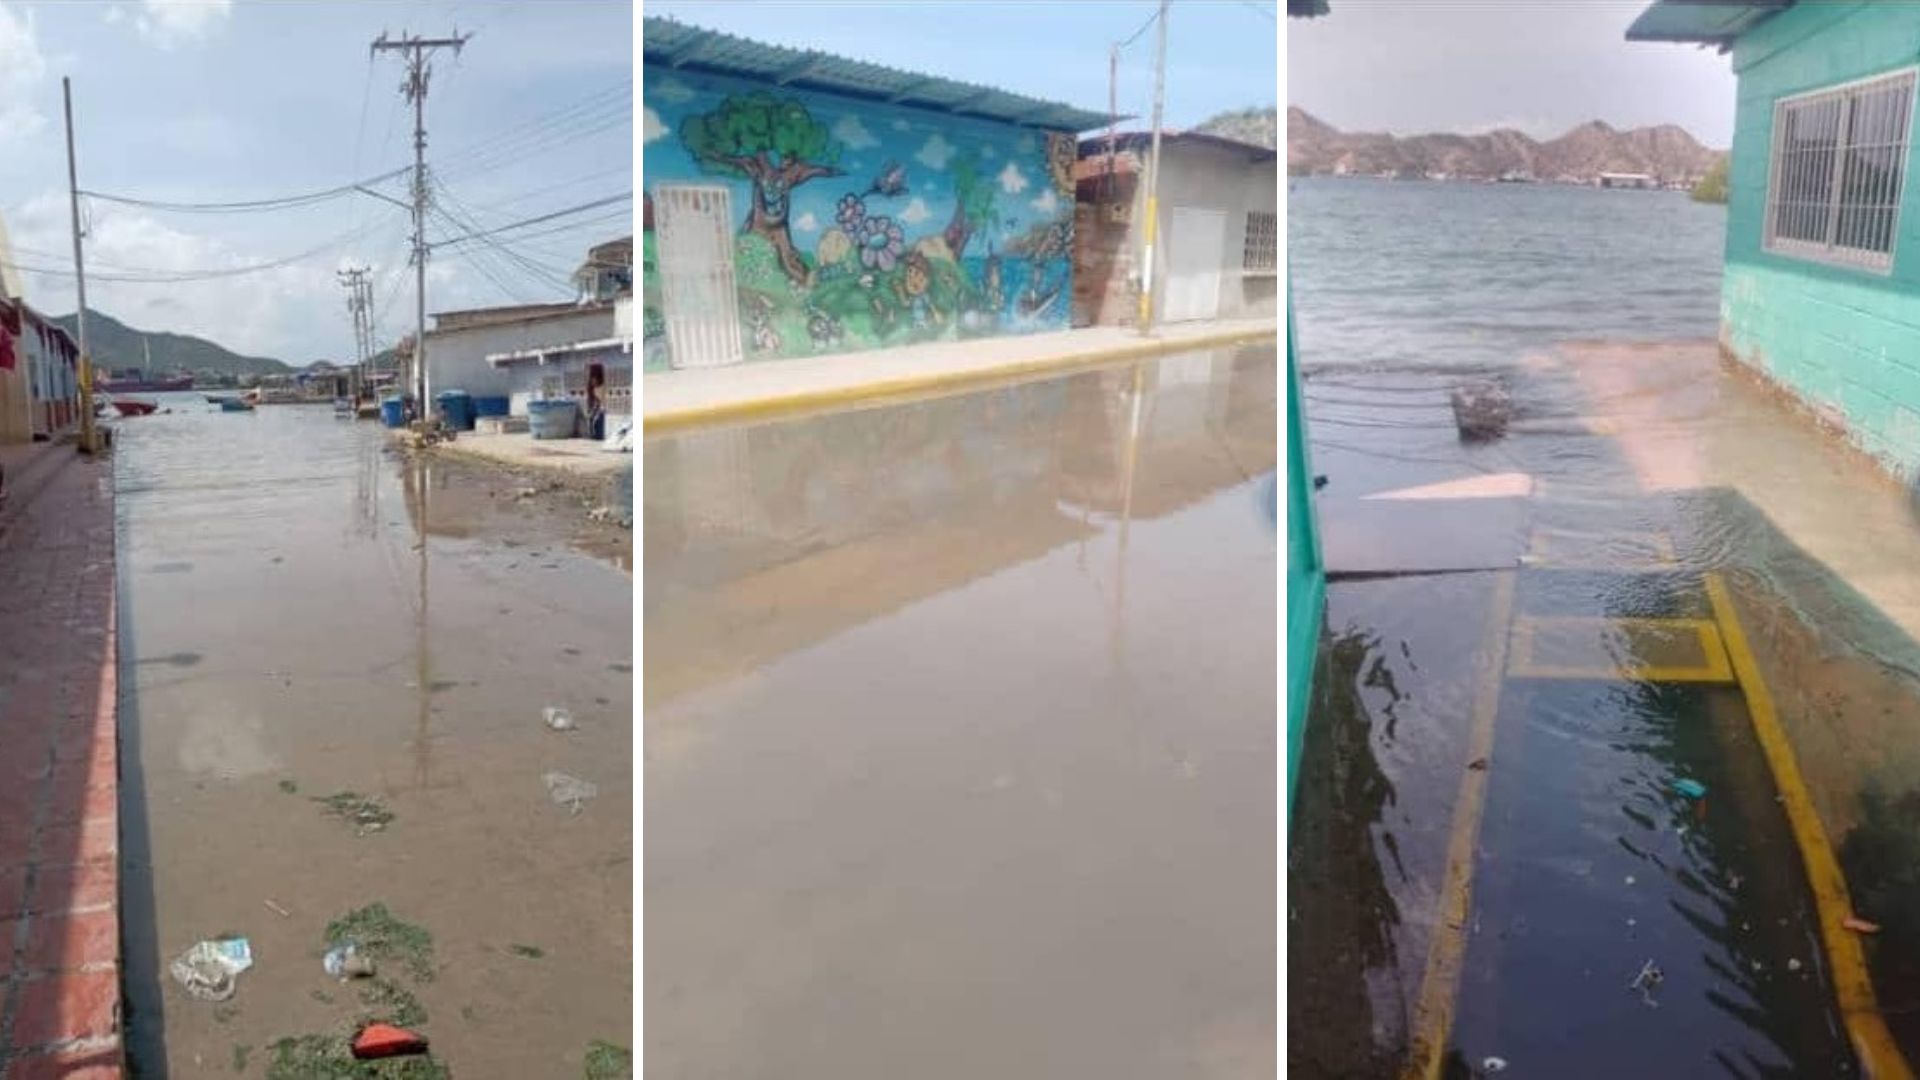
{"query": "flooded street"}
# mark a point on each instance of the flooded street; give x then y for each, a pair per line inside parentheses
(1593, 792)
(960, 733)
(305, 613)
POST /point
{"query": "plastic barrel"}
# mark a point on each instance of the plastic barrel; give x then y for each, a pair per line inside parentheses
(456, 408)
(553, 418)
(492, 406)
(393, 412)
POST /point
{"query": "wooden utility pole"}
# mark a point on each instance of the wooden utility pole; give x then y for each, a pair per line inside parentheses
(415, 88)
(1153, 177)
(80, 280)
(355, 279)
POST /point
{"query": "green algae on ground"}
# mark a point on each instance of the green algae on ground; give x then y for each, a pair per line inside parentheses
(366, 813)
(289, 786)
(606, 1061)
(330, 1057)
(391, 1003)
(241, 1051)
(375, 932)
(531, 952)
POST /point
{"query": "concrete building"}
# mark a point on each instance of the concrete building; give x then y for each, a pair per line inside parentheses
(800, 204)
(461, 342)
(1821, 287)
(568, 368)
(1215, 257)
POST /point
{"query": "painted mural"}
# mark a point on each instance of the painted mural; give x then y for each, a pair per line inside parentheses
(860, 225)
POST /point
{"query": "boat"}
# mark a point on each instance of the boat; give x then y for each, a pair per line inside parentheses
(133, 407)
(235, 405)
(137, 383)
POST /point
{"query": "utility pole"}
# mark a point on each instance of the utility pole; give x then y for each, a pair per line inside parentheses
(80, 280)
(1153, 177)
(415, 88)
(354, 278)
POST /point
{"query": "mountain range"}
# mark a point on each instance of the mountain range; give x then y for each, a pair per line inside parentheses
(1258, 127)
(115, 345)
(1665, 152)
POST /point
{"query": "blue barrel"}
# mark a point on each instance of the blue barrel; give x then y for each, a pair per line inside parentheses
(393, 412)
(491, 406)
(456, 408)
(552, 419)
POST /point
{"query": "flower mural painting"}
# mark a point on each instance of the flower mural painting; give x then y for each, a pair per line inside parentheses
(778, 145)
(881, 241)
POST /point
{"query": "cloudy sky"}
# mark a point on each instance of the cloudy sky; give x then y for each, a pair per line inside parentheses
(1221, 54)
(1414, 66)
(217, 101)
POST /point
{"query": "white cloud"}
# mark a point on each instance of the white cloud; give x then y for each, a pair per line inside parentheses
(854, 133)
(167, 23)
(1046, 203)
(807, 222)
(916, 211)
(672, 91)
(935, 153)
(22, 68)
(651, 128)
(1012, 180)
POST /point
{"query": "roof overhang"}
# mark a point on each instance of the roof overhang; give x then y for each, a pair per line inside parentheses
(1703, 22)
(678, 45)
(554, 353)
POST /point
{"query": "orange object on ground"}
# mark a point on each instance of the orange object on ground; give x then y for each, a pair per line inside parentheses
(385, 1040)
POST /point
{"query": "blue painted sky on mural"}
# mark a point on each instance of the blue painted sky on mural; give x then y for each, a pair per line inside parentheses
(1221, 54)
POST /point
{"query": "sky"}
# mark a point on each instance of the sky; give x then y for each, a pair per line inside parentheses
(1414, 66)
(1221, 54)
(223, 101)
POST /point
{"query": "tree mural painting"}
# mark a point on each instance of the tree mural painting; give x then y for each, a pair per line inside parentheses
(973, 204)
(773, 142)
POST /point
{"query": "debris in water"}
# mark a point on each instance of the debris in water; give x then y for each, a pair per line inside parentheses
(1793, 964)
(1477, 765)
(1650, 976)
(386, 1040)
(1494, 1065)
(1481, 409)
(531, 952)
(377, 934)
(1692, 789)
(1859, 925)
(569, 791)
(345, 962)
(557, 718)
(209, 969)
(277, 909)
(289, 786)
(366, 813)
(1629, 879)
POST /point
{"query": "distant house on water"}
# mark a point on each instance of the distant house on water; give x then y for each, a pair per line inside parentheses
(1821, 288)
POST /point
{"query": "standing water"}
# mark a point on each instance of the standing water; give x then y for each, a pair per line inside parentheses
(335, 661)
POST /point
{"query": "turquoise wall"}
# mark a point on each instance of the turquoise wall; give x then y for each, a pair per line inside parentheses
(1847, 341)
(1306, 579)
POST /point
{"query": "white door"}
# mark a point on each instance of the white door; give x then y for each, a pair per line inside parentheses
(696, 275)
(1196, 250)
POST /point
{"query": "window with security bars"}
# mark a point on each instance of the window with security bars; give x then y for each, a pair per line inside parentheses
(1839, 166)
(1262, 241)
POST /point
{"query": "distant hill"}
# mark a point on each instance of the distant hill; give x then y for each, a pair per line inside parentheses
(1665, 152)
(1260, 127)
(114, 344)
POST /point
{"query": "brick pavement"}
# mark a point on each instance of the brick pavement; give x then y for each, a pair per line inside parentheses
(59, 811)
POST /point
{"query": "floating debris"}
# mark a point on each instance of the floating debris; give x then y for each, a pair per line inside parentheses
(1649, 977)
(366, 813)
(387, 1040)
(557, 718)
(1493, 1065)
(569, 791)
(531, 952)
(1692, 789)
(277, 909)
(1859, 925)
(1477, 765)
(210, 970)
(345, 962)
(1793, 964)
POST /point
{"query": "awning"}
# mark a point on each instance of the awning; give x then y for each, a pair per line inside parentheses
(1704, 22)
(551, 353)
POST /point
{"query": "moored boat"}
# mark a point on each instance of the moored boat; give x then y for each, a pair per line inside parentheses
(133, 406)
(235, 405)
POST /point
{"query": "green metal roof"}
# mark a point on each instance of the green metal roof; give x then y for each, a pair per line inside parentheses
(678, 45)
(1706, 22)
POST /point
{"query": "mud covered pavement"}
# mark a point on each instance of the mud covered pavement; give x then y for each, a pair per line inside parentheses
(1593, 790)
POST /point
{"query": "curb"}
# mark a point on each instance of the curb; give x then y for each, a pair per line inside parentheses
(934, 381)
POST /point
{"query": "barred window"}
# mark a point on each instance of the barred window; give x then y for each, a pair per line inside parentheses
(1839, 165)
(1262, 241)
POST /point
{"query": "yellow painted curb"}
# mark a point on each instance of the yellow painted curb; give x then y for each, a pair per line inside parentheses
(842, 396)
(1880, 1057)
(1447, 947)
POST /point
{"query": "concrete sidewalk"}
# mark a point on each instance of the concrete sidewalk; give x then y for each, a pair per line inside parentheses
(670, 399)
(578, 457)
(59, 777)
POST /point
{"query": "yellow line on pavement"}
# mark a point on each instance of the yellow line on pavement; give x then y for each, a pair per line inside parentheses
(932, 381)
(1446, 950)
(1880, 1057)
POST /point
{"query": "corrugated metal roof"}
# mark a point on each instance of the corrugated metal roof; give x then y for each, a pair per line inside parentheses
(1094, 145)
(677, 44)
(1706, 22)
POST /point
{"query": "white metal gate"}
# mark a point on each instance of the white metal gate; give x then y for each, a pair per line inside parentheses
(1196, 250)
(696, 274)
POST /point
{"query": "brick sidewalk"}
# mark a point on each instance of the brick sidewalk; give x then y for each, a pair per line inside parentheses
(59, 813)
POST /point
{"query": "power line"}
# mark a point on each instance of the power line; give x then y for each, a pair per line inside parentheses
(1262, 9)
(620, 95)
(157, 276)
(625, 196)
(1135, 36)
(284, 202)
(537, 142)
